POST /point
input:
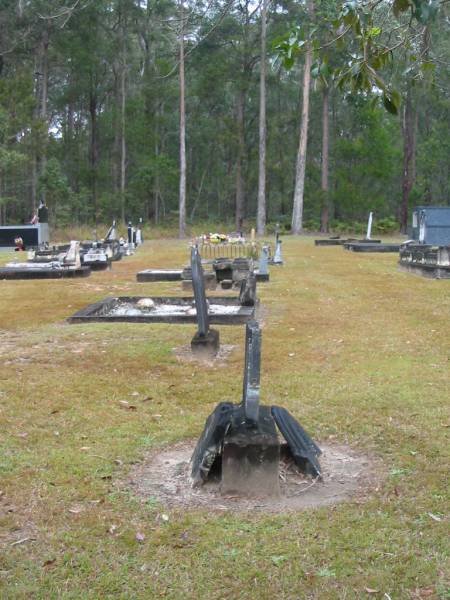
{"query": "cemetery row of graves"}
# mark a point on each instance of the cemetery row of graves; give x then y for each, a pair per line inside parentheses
(257, 422)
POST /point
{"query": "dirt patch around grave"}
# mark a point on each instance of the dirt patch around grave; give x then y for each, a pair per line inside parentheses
(185, 354)
(164, 477)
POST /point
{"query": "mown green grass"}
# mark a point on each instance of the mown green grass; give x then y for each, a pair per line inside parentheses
(370, 367)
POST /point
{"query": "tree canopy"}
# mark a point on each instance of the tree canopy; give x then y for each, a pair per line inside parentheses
(90, 100)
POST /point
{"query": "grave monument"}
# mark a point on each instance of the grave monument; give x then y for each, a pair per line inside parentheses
(241, 442)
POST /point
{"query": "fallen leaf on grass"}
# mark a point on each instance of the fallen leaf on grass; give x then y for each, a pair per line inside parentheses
(127, 405)
(326, 572)
(49, 562)
(23, 540)
(435, 517)
(425, 593)
(278, 560)
(371, 591)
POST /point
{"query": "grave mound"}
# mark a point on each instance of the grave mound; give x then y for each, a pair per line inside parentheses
(164, 477)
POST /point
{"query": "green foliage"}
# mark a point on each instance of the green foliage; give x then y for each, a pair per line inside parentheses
(366, 79)
(386, 225)
(356, 29)
(54, 185)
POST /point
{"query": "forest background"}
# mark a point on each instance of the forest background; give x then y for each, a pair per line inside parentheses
(91, 92)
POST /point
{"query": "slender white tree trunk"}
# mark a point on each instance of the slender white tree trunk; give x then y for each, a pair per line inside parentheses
(123, 147)
(324, 216)
(297, 211)
(182, 197)
(240, 190)
(261, 214)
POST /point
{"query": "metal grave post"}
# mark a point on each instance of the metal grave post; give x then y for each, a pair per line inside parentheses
(252, 369)
(206, 340)
(369, 226)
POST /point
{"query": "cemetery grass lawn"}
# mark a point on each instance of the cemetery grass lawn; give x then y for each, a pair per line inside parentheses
(358, 351)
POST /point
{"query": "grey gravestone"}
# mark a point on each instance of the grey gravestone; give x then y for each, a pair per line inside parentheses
(241, 266)
(278, 258)
(206, 340)
(262, 274)
(247, 293)
(223, 268)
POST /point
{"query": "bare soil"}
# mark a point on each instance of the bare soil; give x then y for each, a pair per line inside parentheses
(164, 477)
(185, 354)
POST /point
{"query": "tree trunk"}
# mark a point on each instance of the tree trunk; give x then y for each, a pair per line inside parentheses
(123, 148)
(240, 198)
(93, 154)
(115, 158)
(43, 105)
(39, 158)
(325, 213)
(182, 197)
(408, 159)
(261, 214)
(297, 211)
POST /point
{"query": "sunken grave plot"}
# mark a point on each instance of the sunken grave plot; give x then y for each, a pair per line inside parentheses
(165, 476)
(164, 309)
(200, 310)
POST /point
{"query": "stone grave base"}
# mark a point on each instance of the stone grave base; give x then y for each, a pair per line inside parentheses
(341, 241)
(430, 271)
(99, 265)
(368, 247)
(206, 346)
(23, 273)
(151, 275)
(164, 477)
(137, 309)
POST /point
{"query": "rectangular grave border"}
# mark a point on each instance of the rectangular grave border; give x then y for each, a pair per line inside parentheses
(425, 270)
(21, 273)
(370, 247)
(96, 312)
